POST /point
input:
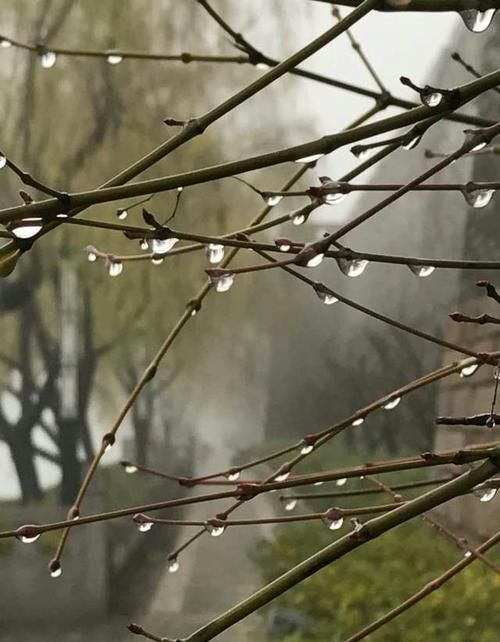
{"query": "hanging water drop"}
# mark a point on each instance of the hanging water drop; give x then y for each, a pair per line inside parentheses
(485, 494)
(261, 65)
(422, 270)
(3, 160)
(353, 267)
(57, 572)
(432, 98)
(157, 260)
(477, 21)
(215, 531)
(215, 252)
(162, 246)
(28, 534)
(114, 58)
(306, 449)
(467, 554)
(130, 469)
(283, 245)
(315, 260)
(392, 403)
(309, 159)
(233, 476)
(144, 245)
(121, 213)
(283, 477)
(468, 371)
(334, 198)
(334, 522)
(298, 219)
(273, 199)
(222, 282)
(48, 59)
(358, 421)
(4, 43)
(115, 268)
(320, 483)
(91, 256)
(326, 297)
(173, 565)
(342, 481)
(290, 504)
(479, 198)
(26, 228)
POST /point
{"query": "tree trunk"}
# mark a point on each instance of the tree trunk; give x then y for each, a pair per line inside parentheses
(21, 450)
(70, 465)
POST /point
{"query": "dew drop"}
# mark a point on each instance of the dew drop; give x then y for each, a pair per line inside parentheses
(467, 554)
(468, 371)
(342, 481)
(215, 252)
(306, 449)
(283, 477)
(173, 566)
(326, 297)
(273, 200)
(62, 215)
(157, 260)
(485, 494)
(290, 504)
(334, 198)
(283, 246)
(490, 422)
(234, 476)
(3, 161)
(57, 572)
(422, 270)
(130, 469)
(91, 256)
(432, 98)
(223, 282)
(334, 524)
(309, 159)
(215, 531)
(145, 527)
(114, 269)
(353, 267)
(28, 534)
(298, 219)
(162, 246)
(479, 198)
(144, 245)
(316, 260)
(48, 59)
(477, 21)
(358, 421)
(261, 65)
(121, 213)
(320, 483)
(114, 59)
(392, 403)
(26, 228)
(4, 43)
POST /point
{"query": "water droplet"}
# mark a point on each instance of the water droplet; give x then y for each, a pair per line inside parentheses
(392, 403)
(283, 477)
(62, 215)
(342, 481)
(261, 65)
(223, 282)
(468, 371)
(91, 256)
(26, 228)
(477, 21)
(215, 252)
(412, 143)
(57, 572)
(121, 213)
(108, 447)
(4, 43)
(422, 270)
(490, 422)
(114, 59)
(432, 98)
(467, 554)
(320, 483)
(316, 260)
(298, 219)
(130, 469)
(173, 566)
(48, 59)
(306, 449)
(479, 197)
(144, 245)
(234, 476)
(283, 246)
(3, 161)
(335, 523)
(326, 297)
(353, 267)
(115, 268)
(28, 534)
(145, 527)
(309, 159)
(290, 504)
(358, 421)
(273, 200)
(334, 197)
(485, 494)
(215, 531)
(157, 260)
(162, 246)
